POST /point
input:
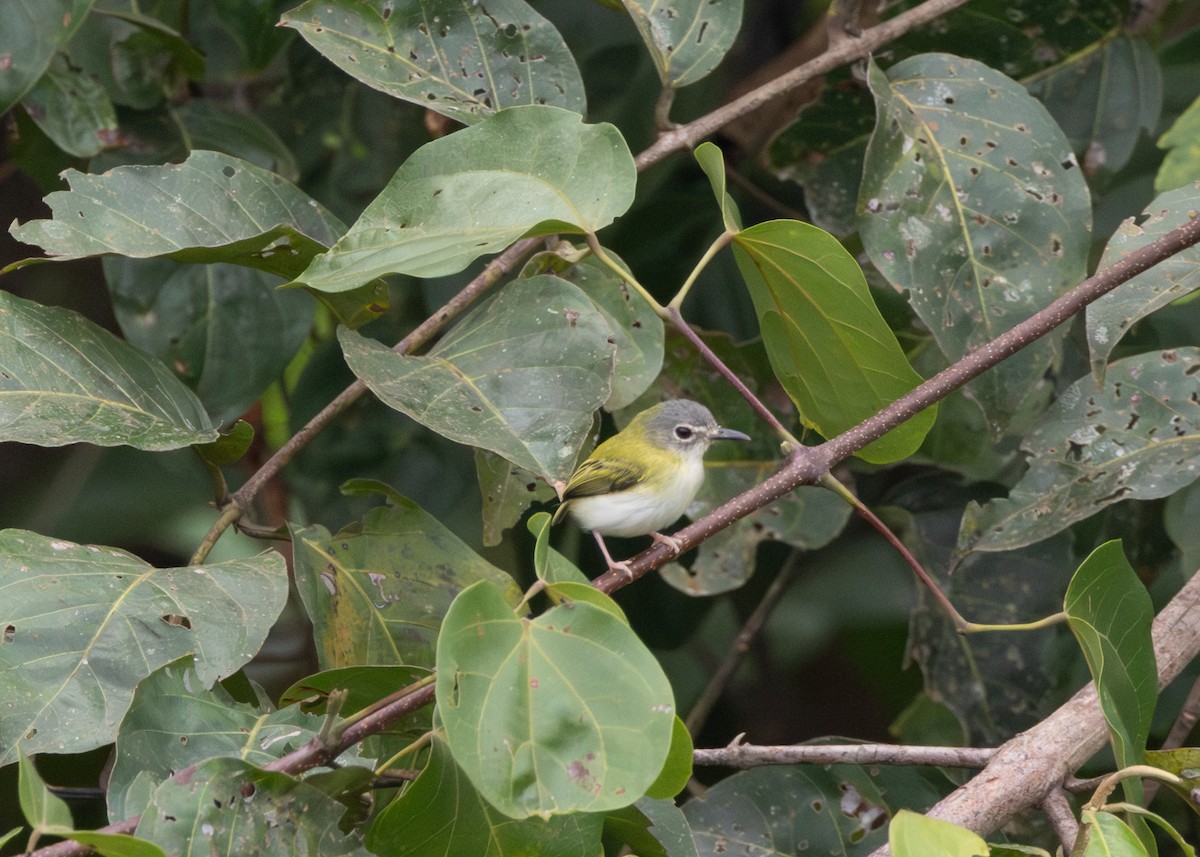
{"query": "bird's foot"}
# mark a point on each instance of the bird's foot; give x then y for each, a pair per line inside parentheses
(670, 541)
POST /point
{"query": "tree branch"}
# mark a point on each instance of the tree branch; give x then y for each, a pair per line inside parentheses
(751, 755)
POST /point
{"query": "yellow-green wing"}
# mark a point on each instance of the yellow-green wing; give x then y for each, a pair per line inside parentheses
(603, 476)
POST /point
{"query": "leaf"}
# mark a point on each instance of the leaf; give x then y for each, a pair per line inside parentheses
(973, 202)
(233, 807)
(687, 39)
(66, 380)
(520, 375)
(637, 330)
(1103, 834)
(677, 770)
(465, 60)
(174, 721)
(524, 171)
(808, 518)
(651, 828)
(82, 625)
(210, 208)
(1137, 438)
(1110, 317)
(111, 844)
(710, 159)
(40, 807)
(552, 567)
(72, 110)
(838, 810)
(376, 592)
(913, 835)
(209, 125)
(33, 31)
(1181, 166)
(829, 345)
(507, 492)
(364, 686)
(1103, 97)
(415, 824)
(1110, 613)
(563, 713)
(230, 446)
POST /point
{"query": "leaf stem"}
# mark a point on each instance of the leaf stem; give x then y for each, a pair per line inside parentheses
(719, 244)
(1109, 784)
(621, 271)
(416, 745)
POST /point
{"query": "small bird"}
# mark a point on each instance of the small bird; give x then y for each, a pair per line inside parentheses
(643, 477)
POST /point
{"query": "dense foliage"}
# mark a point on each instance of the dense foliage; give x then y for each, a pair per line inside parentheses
(278, 574)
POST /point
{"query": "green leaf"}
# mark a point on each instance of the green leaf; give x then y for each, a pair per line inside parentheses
(520, 375)
(174, 721)
(507, 492)
(807, 518)
(226, 330)
(376, 592)
(111, 844)
(6, 837)
(687, 39)
(415, 824)
(364, 685)
(549, 565)
(1102, 834)
(1110, 613)
(838, 810)
(523, 171)
(1140, 815)
(710, 159)
(464, 60)
(1137, 438)
(913, 835)
(973, 202)
(33, 31)
(651, 828)
(84, 624)
(1181, 166)
(210, 125)
(636, 328)
(563, 713)
(677, 770)
(828, 343)
(230, 446)
(1103, 97)
(72, 110)
(40, 807)
(66, 380)
(231, 806)
(1111, 317)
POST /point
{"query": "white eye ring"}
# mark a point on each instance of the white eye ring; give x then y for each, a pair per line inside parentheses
(684, 432)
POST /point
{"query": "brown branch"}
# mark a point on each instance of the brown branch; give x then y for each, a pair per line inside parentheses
(1036, 762)
(751, 755)
(1057, 809)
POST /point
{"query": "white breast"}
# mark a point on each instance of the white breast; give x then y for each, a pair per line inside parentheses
(639, 511)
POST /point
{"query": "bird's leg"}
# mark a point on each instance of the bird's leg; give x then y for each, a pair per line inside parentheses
(670, 541)
(613, 565)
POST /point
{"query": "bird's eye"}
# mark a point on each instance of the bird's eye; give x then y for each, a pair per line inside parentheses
(684, 432)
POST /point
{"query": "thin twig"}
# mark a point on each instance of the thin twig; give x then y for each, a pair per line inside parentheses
(741, 645)
(738, 755)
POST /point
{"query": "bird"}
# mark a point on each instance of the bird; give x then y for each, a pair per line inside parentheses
(643, 477)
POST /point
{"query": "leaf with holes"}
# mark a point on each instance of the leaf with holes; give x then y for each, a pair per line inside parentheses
(563, 713)
(1138, 438)
(82, 625)
(1110, 317)
(414, 825)
(973, 202)
(520, 375)
(377, 591)
(72, 109)
(463, 59)
(687, 39)
(1110, 614)
(507, 491)
(1103, 97)
(827, 341)
(66, 380)
(523, 171)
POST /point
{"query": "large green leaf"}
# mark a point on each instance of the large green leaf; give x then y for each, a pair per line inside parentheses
(507, 491)
(1110, 317)
(1181, 166)
(520, 375)
(828, 343)
(464, 59)
(1103, 97)
(84, 624)
(33, 31)
(973, 201)
(376, 592)
(914, 835)
(525, 170)
(1103, 834)
(229, 806)
(840, 810)
(173, 721)
(563, 713)
(210, 208)
(1110, 613)
(686, 38)
(1136, 438)
(651, 828)
(72, 110)
(66, 380)
(415, 824)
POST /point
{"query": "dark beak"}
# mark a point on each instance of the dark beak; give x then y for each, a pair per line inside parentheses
(726, 434)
